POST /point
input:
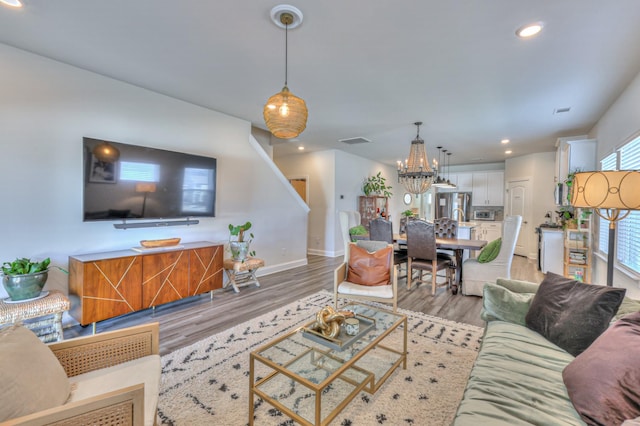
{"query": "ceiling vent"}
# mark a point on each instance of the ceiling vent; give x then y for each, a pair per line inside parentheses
(354, 141)
(561, 110)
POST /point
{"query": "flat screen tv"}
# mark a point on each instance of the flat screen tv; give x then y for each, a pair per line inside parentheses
(134, 182)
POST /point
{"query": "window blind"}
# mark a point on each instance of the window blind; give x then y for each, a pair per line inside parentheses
(608, 163)
(628, 240)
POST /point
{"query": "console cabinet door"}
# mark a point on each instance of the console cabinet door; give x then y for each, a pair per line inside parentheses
(205, 269)
(107, 288)
(165, 277)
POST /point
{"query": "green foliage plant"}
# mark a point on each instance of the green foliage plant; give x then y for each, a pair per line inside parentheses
(238, 232)
(376, 185)
(407, 213)
(24, 266)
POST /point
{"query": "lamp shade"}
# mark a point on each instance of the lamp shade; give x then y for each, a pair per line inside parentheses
(285, 114)
(104, 151)
(607, 190)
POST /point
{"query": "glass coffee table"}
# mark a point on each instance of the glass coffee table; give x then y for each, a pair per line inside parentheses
(312, 381)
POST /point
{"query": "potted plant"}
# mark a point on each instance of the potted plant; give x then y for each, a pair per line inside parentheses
(24, 279)
(237, 243)
(566, 217)
(376, 185)
(355, 231)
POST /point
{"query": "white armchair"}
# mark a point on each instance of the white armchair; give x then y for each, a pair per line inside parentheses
(476, 274)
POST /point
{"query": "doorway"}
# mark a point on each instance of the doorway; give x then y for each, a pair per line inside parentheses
(519, 203)
(301, 185)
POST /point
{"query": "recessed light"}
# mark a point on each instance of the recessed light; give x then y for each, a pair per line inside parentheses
(505, 141)
(529, 30)
(301, 148)
(508, 151)
(12, 3)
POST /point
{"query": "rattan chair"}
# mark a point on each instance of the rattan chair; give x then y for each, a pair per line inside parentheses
(85, 354)
(423, 256)
(381, 293)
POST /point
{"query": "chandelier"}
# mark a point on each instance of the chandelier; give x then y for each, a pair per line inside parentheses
(285, 114)
(415, 174)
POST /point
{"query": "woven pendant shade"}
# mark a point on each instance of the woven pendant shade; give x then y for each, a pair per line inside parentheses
(285, 114)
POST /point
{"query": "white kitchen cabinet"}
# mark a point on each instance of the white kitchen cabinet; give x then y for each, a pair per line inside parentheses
(488, 189)
(462, 180)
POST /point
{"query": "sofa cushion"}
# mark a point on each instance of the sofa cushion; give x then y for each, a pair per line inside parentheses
(517, 380)
(142, 370)
(31, 376)
(500, 303)
(604, 381)
(572, 314)
(490, 251)
(367, 268)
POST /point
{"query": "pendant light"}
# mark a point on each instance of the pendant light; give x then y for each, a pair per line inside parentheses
(284, 113)
(449, 184)
(439, 182)
(415, 175)
(104, 151)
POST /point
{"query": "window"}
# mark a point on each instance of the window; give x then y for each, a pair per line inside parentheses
(628, 229)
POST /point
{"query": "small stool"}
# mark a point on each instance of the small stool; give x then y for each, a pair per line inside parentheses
(47, 329)
(242, 272)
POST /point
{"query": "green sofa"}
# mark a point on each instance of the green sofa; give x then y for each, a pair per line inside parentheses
(517, 377)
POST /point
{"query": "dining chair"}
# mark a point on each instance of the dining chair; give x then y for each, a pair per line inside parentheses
(476, 274)
(423, 255)
(446, 227)
(368, 274)
(382, 230)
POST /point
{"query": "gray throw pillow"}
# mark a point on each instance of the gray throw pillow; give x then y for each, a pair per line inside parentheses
(32, 378)
(572, 314)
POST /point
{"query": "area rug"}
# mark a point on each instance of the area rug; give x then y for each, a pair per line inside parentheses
(207, 383)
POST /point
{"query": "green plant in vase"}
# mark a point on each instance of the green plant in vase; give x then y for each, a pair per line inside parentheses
(238, 245)
(376, 185)
(24, 279)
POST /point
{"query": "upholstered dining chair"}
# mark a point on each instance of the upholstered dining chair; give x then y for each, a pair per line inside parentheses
(446, 227)
(348, 219)
(476, 274)
(423, 255)
(382, 230)
(368, 275)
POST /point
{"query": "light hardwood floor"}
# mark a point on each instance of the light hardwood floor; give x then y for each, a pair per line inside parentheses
(192, 319)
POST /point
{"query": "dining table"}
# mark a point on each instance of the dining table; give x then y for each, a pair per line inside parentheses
(458, 245)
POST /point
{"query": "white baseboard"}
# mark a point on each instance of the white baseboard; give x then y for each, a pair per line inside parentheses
(270, 269)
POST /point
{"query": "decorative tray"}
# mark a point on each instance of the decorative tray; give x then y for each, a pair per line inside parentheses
(342, 341)
(167, 242)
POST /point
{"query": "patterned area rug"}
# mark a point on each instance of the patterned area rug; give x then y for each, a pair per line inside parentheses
(207, 383)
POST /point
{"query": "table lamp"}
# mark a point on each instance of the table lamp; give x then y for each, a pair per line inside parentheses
(612, 195)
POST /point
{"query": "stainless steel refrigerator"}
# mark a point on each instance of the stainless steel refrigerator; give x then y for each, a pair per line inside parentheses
(455, 205)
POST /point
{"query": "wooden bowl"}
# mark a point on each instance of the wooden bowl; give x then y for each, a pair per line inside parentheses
(167, 242)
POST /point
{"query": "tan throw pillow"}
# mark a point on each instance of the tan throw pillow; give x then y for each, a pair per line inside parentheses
(31, 376)
(369, 268)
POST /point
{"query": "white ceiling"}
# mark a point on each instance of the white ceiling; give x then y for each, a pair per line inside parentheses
(366, 68)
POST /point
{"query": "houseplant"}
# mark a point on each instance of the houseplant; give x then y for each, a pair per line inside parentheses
(237, 243)
(357, 230)
(24, 279)
(376, 185)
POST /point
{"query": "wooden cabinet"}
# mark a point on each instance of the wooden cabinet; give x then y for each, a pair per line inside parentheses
(371, 207)
(488, 189)
(106, 285)
(577, 249)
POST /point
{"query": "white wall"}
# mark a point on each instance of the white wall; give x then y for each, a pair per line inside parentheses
(46, 108)
(335, 182)
(616, 127)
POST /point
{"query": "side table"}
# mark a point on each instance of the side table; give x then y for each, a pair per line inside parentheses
(52, 307)
(242, 272)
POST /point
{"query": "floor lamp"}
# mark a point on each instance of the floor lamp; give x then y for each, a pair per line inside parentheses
(612, 195)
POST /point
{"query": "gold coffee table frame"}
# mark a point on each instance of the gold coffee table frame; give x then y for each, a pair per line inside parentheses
(312, 383)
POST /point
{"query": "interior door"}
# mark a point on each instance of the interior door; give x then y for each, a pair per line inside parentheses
(519, 203)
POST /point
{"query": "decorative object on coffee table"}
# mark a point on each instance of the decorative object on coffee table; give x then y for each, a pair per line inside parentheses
(328, 321)
(24, 279)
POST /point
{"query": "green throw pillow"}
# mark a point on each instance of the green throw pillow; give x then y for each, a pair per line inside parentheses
(501, 304)
(490, 251)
